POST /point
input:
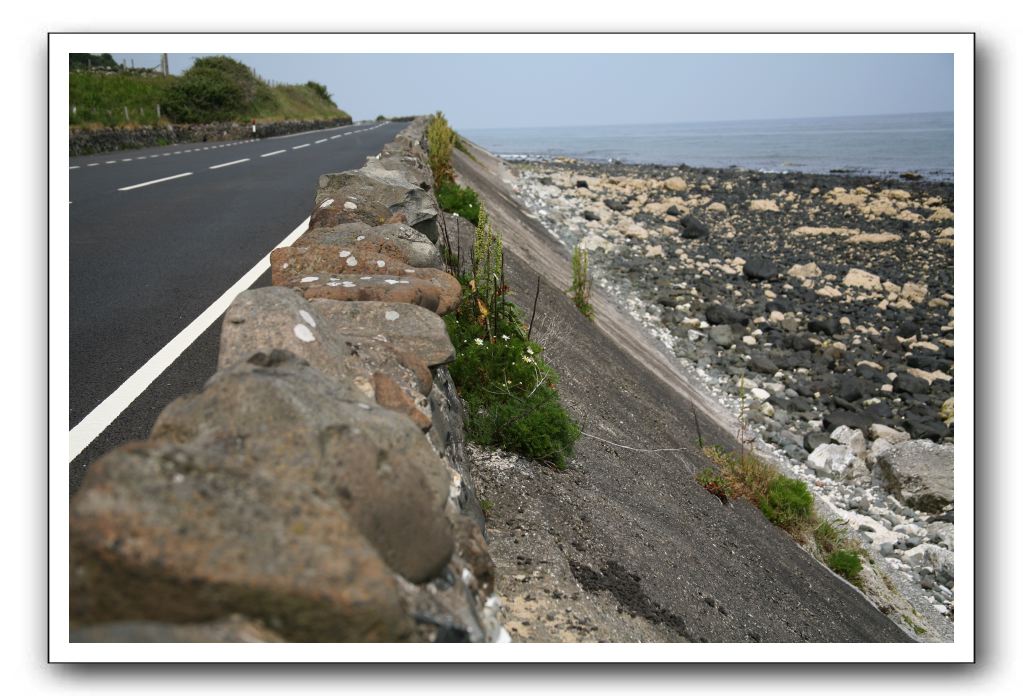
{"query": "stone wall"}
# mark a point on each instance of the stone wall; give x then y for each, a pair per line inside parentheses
(87, 142)
(317, 488)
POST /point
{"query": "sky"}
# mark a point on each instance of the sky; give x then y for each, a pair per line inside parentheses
(534, 90)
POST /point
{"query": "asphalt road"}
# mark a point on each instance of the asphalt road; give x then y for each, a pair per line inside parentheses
(157, 235)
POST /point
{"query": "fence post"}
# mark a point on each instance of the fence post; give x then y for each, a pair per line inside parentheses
(157, 112)
(126, 116)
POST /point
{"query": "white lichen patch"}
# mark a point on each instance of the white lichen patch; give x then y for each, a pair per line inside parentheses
(360, 237)
(391, 315)
(350, 206)
(380, 263)
(345, 253)
(310, 279)
(352, 261)
(303, 333)
(307, 318)
(326, 202)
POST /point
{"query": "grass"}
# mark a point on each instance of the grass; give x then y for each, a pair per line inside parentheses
(214, 89)
(581, 282)
(786, 503)
(461, 200)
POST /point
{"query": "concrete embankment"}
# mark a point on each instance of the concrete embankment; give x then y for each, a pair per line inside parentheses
(625, 545)
(317, 488)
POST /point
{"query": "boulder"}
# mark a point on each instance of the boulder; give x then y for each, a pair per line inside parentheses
(909, 384)
(400, 170)
(357, 196)
(893, 436)
(723, 314)
(858, 278)
(396, 240)
(919, 473)
(813, 440)
(187, 533)
(426, 287)
(851, 438)
(266, 319)
(409, 328)
(693, 227)
(836, 461)
(760, 268)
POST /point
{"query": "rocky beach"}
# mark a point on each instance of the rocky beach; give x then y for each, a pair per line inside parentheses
(819, 308)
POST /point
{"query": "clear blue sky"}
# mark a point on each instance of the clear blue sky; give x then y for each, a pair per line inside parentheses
(524, 90)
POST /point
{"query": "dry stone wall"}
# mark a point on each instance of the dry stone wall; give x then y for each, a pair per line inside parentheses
(317, 488)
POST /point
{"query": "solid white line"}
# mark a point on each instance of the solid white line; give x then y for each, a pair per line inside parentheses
(228, 164)
(321, 140)
(275, 152)
(154, 181)
(75, 166)
(103, 415)
(299, 147)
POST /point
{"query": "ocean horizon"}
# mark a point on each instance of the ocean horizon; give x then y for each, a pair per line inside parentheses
(879, 145)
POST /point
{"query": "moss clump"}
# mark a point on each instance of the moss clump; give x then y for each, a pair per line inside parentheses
(787, 503)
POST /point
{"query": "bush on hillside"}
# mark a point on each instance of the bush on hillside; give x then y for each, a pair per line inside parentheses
(321, 91)
(216, 89)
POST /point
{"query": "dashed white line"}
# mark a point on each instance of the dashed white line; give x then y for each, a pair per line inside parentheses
(321, 140)
(275, 152)
(103, 415)
(299, 147)
(127, 159)
(152, 156)
(75, 166)
(228, 164)
(93, 164)
(154, 181)
(334, 137)
(110, 162)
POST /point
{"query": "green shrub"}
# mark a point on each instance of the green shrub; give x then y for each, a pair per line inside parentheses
(463, 200)
(440, 140)
(580, 289)
(509, 391)
(847, 564)
(320, 90)
(217, 88)
(787, 502)
(828, 537)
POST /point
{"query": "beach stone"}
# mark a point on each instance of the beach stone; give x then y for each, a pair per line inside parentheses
(182, 533)
(357, 196)
(233, 629)
(841, 416)
(858, 278)
(908, 384)
(933, 556)
(427, 287)
(832, 460)
(409, 328)
(851, 438)
(676, 183)
(723, 314)
(884, 432)
(762, 364)
(282, 420)
(614, 205)
(762, 206)
(693, 227)
(721, 335)
(397, 241)
(760, 268)
(919, 473)
(813, 440)
(806, 271)
(828, 326)
(914, 292)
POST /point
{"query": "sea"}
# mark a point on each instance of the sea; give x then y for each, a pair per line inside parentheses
(883, 146)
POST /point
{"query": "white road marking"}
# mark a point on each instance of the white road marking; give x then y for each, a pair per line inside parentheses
(110, 162)
(228, 164)
(152, 156)
(75, 166)
(299, 147)
(154, 181)
(127, 160)
(103, 415)
(166, 154)
(321, 140)
(348, 133)
(275, 152)
(93, 164)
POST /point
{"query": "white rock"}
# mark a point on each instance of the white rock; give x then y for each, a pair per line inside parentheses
(893, 436)
(805, 271)
(851, 438)
(858, 278)
(749, 340)
(831, 460)
(759, 394)
(762, 205)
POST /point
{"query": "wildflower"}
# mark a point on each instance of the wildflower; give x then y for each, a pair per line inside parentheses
(526, 358)
(505, 338)
(529, 350)
(479, 341)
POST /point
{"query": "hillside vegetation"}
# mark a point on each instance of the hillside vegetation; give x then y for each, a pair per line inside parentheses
(217, 88)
